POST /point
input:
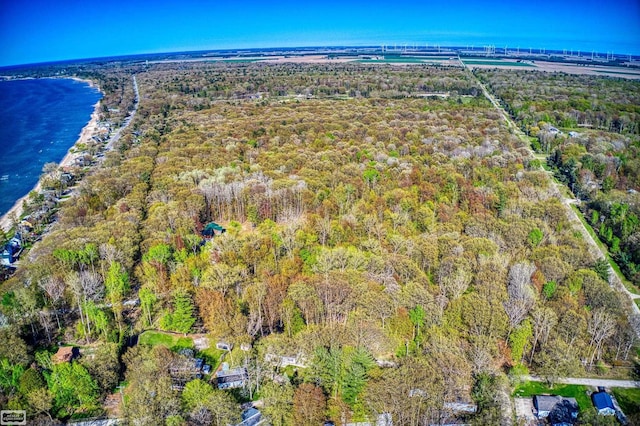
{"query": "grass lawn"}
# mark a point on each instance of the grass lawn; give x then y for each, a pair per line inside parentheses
(171, 341)
(616, 72)
(212, 355)
(629, 399)
(574, 391)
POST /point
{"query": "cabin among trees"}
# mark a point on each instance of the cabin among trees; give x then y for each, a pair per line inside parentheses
(65, 354)
(212, 229)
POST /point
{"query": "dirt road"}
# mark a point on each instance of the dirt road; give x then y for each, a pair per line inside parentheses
(607, 383)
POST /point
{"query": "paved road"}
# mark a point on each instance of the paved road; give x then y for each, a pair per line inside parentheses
(614, 279)
(116, 135)
(607, 383)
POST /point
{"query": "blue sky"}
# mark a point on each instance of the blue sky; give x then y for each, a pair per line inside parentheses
(44, 30)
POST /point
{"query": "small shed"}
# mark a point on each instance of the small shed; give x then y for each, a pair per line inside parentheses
(65, 354)
(603, 403)
(224, 346)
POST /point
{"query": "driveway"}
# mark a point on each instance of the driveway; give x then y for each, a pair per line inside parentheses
(524, 410)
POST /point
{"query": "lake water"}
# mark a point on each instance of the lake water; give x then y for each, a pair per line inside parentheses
(39, 121)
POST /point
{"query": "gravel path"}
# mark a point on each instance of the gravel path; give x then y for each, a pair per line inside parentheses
(607, 383)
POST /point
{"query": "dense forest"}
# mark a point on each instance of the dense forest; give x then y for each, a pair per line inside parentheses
(567, 100)
(403, 247)
(595, 148)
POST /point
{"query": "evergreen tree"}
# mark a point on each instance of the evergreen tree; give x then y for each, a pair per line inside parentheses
(182, 319)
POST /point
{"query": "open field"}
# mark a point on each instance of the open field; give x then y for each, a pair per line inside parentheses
(618, 72)
(392, 61)
(473, 62)
(596, 70)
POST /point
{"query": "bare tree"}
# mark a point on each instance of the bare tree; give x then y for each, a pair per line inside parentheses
(85, 286)
(600, 326)
(53, 287)
(625, 338)
(521, 294)
(544, 319)
(323, 227)
(454, 277)
(254, 295)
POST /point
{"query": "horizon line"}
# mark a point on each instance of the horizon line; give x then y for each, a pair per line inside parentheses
(398, 48)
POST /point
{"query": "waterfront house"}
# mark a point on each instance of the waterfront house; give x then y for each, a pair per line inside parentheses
(11, 251)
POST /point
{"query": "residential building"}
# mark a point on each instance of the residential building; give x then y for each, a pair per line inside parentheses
(559, 410)
(603, 403)
(251, 417)
(230, 379)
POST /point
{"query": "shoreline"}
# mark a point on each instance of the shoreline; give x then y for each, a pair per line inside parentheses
(68, 160)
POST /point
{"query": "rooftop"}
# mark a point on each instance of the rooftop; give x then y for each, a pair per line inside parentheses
(64, 354)
(602, 400)
(550, 402)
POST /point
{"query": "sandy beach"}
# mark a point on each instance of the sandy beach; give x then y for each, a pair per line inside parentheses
(69, 159)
